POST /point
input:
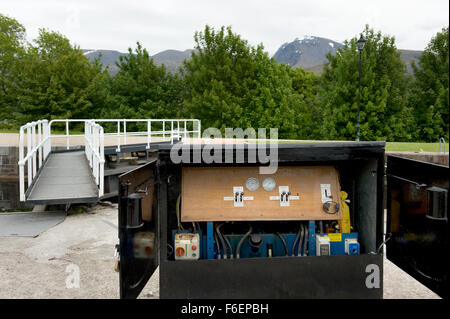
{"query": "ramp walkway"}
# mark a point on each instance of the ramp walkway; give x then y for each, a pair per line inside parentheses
(65, 177)
(76, 175)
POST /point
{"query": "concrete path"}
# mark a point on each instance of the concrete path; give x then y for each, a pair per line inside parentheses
(39, 267)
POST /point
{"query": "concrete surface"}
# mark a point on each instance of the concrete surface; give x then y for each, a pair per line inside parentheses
(39, 267)
(29, 224)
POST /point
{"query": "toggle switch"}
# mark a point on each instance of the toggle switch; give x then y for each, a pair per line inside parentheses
(238, 197)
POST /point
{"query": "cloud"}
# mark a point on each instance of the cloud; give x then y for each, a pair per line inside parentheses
(161, 25)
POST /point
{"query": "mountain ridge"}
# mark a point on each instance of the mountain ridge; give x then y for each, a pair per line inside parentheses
(308, 52)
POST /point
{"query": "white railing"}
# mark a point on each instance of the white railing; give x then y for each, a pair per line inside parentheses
(442, 140)
(171, 129)
(38, 148)
(94, 150)
(39, 138)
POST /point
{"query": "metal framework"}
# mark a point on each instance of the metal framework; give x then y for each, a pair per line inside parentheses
(39, 136)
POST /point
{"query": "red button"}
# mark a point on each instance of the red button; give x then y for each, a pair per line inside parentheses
(194, 247)
(148, 250)
(179, 251)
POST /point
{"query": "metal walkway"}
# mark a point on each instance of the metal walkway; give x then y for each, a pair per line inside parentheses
(77, 176)
(65, 177)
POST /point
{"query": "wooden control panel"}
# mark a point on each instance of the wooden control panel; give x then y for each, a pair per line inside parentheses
(227, 194)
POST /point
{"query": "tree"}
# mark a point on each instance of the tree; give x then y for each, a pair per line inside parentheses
(429, 92)
(58, 81)
(309, 114)
(384, 115)
(142, 89)
(12, 39)
(230, 84)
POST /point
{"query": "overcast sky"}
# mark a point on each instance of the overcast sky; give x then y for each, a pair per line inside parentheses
(166, 24)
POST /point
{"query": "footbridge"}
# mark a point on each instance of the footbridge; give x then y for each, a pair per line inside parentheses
(65, 168)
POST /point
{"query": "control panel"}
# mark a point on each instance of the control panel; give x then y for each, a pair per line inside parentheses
(351, 246)
(143, 243)
(322, 245)
(187, 246)
(242, 194)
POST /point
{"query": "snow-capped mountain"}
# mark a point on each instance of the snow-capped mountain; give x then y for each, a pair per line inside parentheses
(307, 51)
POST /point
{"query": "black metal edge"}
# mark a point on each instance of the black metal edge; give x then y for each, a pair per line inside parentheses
(62, 201)
(152, 162)
(81, 149)
(280, 277)
(417, 161)
(287, 152)
(343, 144)
(128, 148)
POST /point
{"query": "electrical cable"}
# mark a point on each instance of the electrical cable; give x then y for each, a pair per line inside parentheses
(179, 226)
(221, 240)
(321, 227)
(171, 251)
(238, 249)
(284, 243)
(305, 241)
(327, 205)
(218, 245)
(228, 244)
(295, 240)
(300, 241)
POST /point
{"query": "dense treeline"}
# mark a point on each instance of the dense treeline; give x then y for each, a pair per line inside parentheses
(228, 83)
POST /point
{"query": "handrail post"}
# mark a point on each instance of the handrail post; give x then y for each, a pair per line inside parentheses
(124, 132)
(40, 146)
(164, 129)
(33, 141)
(171, 132)
(149, 127)
(28, 152)
(48, 142)
(46, 138)
(118, 136)
(67, 133)
(102, 162)
(445, 146)
(21, 166)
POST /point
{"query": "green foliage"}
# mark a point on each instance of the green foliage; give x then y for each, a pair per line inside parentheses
(429, 92)
(142, 90)
(53, 79)
(12, 38)
(309, 114)
(383, 115)
(231, 84)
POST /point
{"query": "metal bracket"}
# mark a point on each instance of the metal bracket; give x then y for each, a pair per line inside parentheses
(238, 196)
(284, 196)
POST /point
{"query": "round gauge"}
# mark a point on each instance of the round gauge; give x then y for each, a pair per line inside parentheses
(269, 184)
(252, 184)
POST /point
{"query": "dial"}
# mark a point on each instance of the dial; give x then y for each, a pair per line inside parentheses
(252, 184)
(269, 184)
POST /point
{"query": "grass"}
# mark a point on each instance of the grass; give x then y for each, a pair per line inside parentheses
(390, 146)
(414, 147)
(396, 146)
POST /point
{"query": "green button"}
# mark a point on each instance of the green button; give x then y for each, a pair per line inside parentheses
(194, 254)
